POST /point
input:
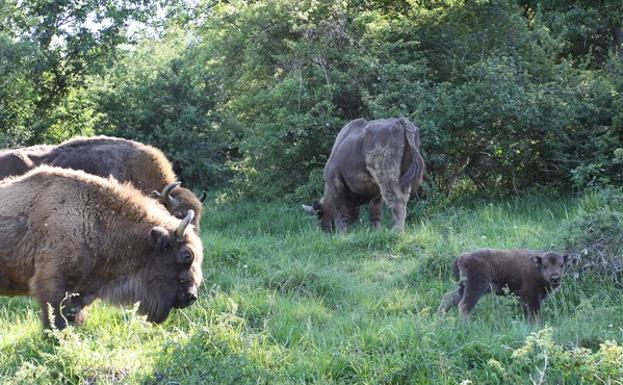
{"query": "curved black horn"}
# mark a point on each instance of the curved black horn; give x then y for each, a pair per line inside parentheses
(168, 201)
(179, 233)
(203, 196)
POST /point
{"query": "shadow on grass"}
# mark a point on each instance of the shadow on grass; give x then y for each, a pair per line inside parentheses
(199, 362)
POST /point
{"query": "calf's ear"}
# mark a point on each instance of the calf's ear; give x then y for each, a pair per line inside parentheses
(537, 260)
(160, 238)
(565, 259)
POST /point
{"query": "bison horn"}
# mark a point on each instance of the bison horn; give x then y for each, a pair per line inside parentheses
(203, 196)
(179, 233)
(169, 201)
(309, 209)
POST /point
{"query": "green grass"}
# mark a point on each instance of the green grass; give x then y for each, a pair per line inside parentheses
(283, 303)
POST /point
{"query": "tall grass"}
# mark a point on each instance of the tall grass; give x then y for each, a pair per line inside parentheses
(284, 303)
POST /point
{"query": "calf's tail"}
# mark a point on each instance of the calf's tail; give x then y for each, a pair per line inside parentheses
(456, 273)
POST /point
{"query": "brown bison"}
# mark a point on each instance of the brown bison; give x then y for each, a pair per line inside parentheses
(370, 161)
(17, 161)
(126, 160)
(68, 237)
(531, 275)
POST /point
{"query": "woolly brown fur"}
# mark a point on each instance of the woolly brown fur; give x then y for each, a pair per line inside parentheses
(65, 231)
(126, 160)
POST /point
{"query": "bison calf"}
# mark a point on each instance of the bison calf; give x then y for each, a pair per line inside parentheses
(531, 275)
(68, 237)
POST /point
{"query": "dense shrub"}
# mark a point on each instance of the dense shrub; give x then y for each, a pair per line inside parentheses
(497, 100)
(548, 362)
(17, 90)
(595, 235)
(509, 95)
(161, 94)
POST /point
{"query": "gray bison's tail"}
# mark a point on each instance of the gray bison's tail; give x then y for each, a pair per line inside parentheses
(416, 168)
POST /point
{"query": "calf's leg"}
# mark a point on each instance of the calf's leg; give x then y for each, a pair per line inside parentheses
(449, 300)
(531, 309)
(472, 293)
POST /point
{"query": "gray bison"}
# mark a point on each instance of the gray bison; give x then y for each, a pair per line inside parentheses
(68, 237)
(370, 162)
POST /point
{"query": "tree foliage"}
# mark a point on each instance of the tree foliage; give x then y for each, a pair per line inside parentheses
(62, 42)
(508, 94)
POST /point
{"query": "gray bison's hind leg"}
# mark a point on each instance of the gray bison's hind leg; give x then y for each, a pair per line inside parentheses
(375, 212)
(396, 199)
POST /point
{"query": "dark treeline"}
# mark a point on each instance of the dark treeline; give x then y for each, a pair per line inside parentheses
(508, 94)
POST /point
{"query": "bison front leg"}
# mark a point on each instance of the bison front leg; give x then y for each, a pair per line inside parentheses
(53, 313)
(59, 306)
(60, 309)
(531, 309)
(375, 212)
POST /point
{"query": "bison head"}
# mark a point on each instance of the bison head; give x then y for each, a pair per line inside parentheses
(325, 218)
(171, 276)
(551, 267)
(179, 200)
(329, 219)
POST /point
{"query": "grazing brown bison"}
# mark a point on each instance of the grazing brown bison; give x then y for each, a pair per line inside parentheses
(370, 161)
(17, 161)
(68, 237)
(531, 275)
(126, 160)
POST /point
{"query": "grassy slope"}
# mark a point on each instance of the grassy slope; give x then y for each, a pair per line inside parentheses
(284, 303)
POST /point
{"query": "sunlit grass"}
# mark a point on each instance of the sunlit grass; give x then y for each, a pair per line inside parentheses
(284, 303)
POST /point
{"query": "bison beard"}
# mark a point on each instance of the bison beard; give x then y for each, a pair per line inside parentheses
(69, 238)
(156, 305)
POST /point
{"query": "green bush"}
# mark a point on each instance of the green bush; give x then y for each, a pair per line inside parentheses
(18, 96)
(551, 363)
(595, 235)
(509, 95)
(162, 95)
